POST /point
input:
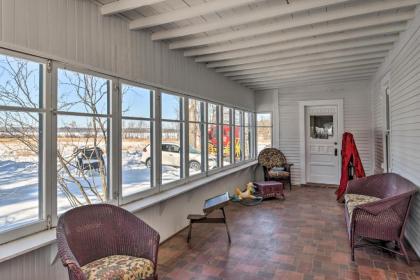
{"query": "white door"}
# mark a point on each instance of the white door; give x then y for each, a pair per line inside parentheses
(322, 144)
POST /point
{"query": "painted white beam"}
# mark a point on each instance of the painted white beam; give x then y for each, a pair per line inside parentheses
(285, 71)
(307, 64)
(186, 13)
(354, 69)
(320, 49)
(307, 58)
(315, 81)
(264, 38)
(126, 5)
(317, 76)
(350, 35)
(260, 14)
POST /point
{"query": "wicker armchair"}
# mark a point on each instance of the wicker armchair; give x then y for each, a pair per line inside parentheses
(270, 158)
(376, 209)
(90, 234)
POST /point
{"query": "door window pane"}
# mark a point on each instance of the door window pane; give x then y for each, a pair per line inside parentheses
(136, 156)
(136, 101)
(82, 161)
(20, 163)
(322, 127)
(171, 154)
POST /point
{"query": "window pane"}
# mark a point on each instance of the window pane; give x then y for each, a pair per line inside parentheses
(212, 113)
(20, 183)
(194, 110)
(238, 143)
(195, 139)
(82, 169)
(82, 93)
(263, 138)
(136, 101)
(238, 117)
(322, 127)
(20, 82)
(171, 153)
(263, 119)
(226, 115)
(171, 106)
(136, 156)
(226, 145)
(212, 146)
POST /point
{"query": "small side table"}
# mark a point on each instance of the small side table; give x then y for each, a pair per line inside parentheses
(267, 189)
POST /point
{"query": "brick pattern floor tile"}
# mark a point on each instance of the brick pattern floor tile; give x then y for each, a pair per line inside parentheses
(303, 237)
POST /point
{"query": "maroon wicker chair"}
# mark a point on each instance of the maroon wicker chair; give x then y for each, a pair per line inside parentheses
(89, 233)
(377, 209)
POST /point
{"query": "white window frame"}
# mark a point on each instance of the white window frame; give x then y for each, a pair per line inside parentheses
(154, 186)
(114, 115)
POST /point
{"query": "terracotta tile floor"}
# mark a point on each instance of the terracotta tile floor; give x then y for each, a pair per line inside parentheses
(303, 237)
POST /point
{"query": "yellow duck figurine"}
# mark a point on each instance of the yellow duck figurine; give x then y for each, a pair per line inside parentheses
(247, 194)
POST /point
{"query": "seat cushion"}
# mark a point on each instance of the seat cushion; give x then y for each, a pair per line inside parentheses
(119, 267)
(353, 200)
(278, 174)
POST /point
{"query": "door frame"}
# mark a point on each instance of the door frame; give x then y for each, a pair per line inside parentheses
(302, 129)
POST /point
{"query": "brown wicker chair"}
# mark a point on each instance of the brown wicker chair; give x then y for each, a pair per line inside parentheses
(377, 209)
(89, 233)
(270, 158)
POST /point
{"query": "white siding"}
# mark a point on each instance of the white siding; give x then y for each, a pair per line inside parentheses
(76, 32)
(403, 68)
(357, 117)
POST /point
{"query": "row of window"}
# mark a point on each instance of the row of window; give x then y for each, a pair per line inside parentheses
(70, 138)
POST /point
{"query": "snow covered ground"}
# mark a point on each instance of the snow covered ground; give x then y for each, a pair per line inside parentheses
(19, 189)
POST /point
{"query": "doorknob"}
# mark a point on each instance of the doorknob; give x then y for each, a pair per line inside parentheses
(335, 152)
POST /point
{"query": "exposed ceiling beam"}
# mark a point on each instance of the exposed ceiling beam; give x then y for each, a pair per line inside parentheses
(257, 15)
(307, 64)
(358, 33)
(313, 76)
(188, 12)
(351, 35)
(126, 5)
(352, 23)
(320, 49)
(315, 81)
(307, 58)
(284, 71)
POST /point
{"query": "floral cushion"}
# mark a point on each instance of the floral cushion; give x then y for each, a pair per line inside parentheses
(353, 200)
(278, 174)
(119, 267)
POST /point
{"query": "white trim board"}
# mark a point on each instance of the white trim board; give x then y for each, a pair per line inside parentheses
(302, 143)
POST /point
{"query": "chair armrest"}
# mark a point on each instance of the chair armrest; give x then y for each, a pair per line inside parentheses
(287, 166)
(376, 207)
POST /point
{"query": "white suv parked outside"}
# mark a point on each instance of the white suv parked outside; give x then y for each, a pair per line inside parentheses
(171, 156)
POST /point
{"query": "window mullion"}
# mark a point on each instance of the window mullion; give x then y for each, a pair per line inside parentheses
(157, 142)
(52, 165)
(115, 142)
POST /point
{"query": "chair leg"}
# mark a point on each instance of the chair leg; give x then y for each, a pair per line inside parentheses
(189, 233)
(404, 251)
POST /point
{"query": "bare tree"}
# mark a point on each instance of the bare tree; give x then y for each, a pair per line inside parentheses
(20, 87)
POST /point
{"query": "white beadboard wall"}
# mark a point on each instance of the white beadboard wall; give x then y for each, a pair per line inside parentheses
(74, 31)
(357, 117)
(402, 68)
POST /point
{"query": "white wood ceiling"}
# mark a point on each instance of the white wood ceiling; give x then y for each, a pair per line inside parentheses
(265, 44)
